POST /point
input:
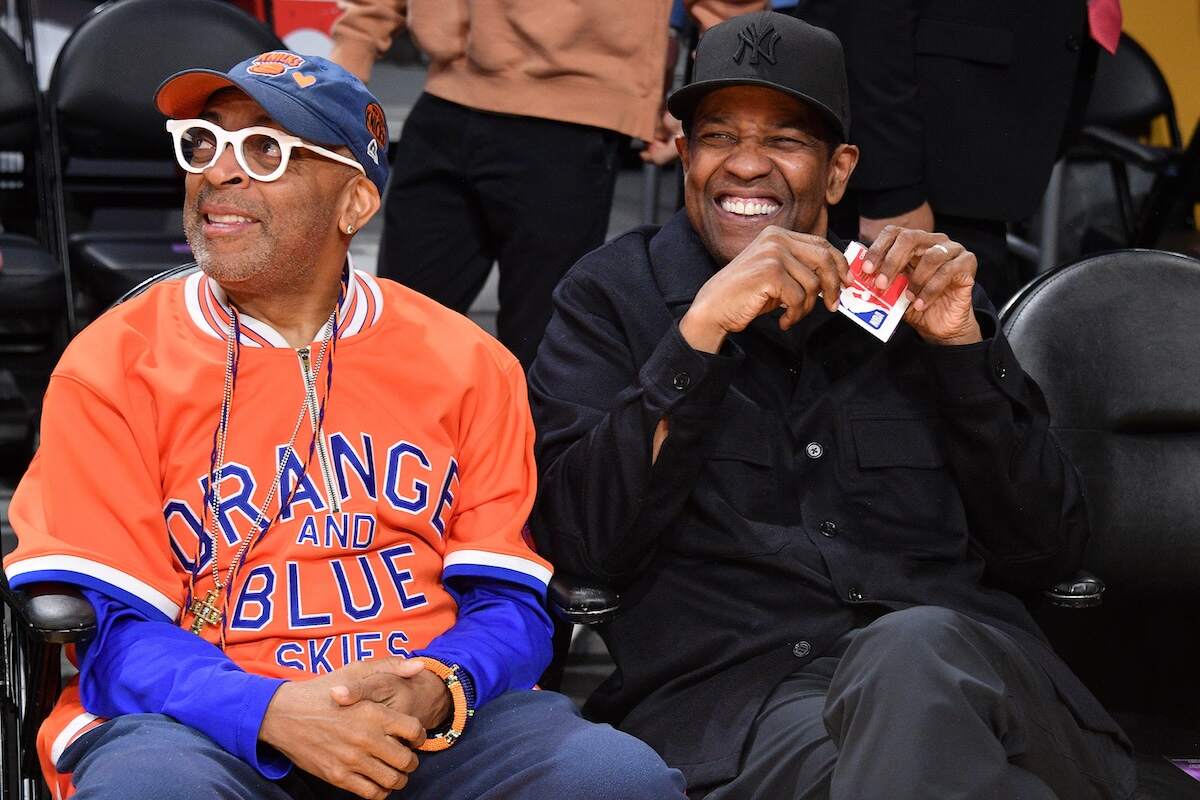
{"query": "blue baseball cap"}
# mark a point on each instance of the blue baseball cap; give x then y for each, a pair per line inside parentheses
(310, 96)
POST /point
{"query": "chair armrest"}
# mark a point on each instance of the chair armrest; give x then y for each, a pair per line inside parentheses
(1085, 590)
(54, 612)
(1114, 143)
(577, 602)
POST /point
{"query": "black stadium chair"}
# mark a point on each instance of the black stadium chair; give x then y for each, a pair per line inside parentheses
(1146, 199)
(32, 289)
(122, 188)
(1130, 92)
(1129, 96)
(1111, 340)
(1096, 198)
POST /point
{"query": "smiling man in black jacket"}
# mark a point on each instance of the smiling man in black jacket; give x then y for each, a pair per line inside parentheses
(817, 537)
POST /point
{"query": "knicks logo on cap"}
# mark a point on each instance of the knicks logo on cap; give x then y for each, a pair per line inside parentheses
(376, 124)
(275, 63)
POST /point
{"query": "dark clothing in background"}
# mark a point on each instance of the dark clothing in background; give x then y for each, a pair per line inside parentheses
(812, 481)
(470, 188)
(961, 103)
(997, 273)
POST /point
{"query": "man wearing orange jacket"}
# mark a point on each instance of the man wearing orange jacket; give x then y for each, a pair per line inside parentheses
(296, 496)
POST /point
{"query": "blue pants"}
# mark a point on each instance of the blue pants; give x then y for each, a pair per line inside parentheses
(521, 745)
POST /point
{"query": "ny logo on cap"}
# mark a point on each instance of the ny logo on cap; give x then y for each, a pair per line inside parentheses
(749, 39)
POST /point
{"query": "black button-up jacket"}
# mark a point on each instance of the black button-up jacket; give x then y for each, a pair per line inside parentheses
(811, 480)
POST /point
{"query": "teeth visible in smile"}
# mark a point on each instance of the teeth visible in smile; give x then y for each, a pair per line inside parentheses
(227, 219)
(749, 208)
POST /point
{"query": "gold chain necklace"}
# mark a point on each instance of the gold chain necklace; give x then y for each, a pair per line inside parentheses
(206, 611)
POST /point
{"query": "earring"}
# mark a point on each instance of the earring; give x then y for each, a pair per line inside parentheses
(349, 229)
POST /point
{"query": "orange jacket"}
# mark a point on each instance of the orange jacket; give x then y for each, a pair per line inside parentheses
(429, 454)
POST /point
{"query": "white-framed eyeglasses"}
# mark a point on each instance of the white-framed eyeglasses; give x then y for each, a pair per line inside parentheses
(262, 152)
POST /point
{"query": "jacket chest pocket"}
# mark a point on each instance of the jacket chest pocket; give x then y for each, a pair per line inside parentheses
(905, 493)
(739, 499)
(902, 443)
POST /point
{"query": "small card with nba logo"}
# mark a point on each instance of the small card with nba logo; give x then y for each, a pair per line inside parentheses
(879, 312)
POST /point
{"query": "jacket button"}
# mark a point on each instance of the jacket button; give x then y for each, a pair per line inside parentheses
(1074, 43)
(855, 596)
(828, 528)
(801, 649)
(814, 450)
(1001, 371)
(681, 381)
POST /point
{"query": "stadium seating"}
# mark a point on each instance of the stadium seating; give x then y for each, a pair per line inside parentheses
(1111, 342)
(1112, 190)
(122, 191)
(32, 290)
(1129, 96)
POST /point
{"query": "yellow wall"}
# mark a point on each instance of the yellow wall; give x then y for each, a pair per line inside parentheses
(1170, 31)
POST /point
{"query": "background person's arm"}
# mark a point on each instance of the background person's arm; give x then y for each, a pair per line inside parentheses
(364, 31)
(661, 150)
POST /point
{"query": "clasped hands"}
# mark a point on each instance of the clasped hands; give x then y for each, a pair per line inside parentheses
(357, 727)
(783, 269)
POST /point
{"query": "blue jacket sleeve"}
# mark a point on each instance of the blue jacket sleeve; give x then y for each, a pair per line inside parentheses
(502, 637)
(134, 665)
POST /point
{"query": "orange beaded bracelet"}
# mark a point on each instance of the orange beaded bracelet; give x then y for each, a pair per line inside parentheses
(462, 698)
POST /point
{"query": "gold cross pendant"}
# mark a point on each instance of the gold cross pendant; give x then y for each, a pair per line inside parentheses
(206, 610)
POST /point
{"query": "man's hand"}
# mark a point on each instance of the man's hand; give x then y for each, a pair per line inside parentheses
(940, 273)
(919, 219)
(364, 748)
(779, 269)
(422, 695)
(661, 149)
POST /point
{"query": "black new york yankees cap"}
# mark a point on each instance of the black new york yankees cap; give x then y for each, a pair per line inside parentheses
(773, 50)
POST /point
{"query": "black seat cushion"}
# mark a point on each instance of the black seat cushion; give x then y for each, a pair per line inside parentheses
(30, 279)
(112, 264)
(18, 99)
(104, 80)
(1129, 91)
(1111, 341)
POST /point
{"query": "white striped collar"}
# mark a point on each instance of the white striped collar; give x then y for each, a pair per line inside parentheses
(208, 309)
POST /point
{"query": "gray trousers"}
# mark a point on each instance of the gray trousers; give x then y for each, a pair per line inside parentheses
(925, 704)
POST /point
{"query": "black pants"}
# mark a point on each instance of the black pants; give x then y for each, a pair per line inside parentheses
(471, 188)
(925, 704)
